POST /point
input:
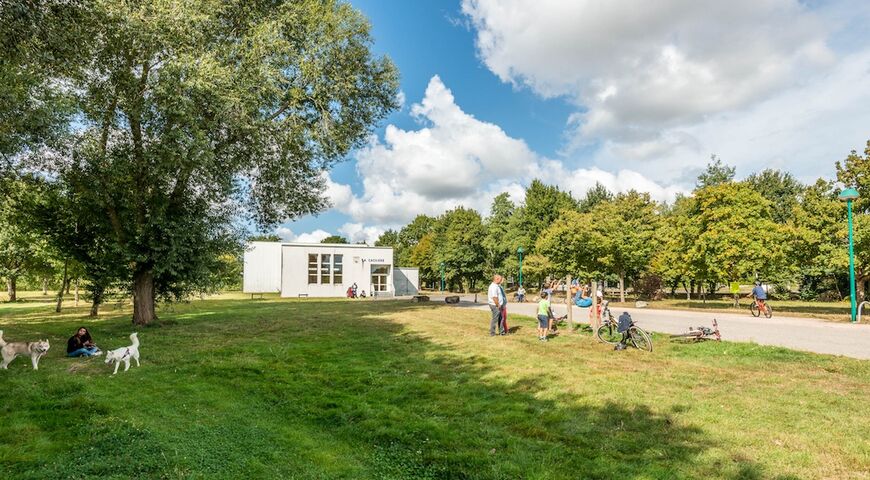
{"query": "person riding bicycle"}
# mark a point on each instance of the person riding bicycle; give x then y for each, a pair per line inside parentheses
(759, 294)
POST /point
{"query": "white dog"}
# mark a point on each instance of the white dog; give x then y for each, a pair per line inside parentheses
(33, 349)
(124, 354)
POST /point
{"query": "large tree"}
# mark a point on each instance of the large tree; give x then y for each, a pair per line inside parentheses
(497, 243)
(459, 245)
(781, 189)
(192, 114)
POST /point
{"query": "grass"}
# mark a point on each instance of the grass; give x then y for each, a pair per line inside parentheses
(235, 388)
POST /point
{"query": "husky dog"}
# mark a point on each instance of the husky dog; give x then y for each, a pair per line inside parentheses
(11, 350)
(124, 354)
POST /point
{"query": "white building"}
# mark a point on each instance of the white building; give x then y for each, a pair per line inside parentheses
(324, 270)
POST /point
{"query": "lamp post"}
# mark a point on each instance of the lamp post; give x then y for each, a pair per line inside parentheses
(520, 253)
(849, 195)
(442, 276)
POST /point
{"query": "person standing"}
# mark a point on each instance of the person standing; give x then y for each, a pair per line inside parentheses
(495, 299)
(521, 294)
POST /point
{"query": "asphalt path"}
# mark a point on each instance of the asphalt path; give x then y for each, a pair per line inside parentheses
(850, 340)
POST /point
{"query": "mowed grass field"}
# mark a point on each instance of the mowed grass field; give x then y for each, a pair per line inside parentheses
(236, 388)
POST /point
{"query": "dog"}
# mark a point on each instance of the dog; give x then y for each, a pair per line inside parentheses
(35, 350)
(124, 354)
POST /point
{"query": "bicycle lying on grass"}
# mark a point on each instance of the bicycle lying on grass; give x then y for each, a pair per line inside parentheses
(609, 332)
(701, 333)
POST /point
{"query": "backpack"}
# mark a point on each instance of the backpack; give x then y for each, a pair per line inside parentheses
(624, 323)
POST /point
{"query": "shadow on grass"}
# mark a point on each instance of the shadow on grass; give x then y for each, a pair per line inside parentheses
(327, 389)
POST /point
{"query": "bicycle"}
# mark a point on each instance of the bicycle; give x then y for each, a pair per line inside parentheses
(609, 332)
(756, 310)
(702, 333)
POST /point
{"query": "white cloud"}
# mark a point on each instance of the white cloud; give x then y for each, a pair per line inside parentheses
(455, 159)
(659, 86)
(287, 235)
(638, 67)
(357, 232)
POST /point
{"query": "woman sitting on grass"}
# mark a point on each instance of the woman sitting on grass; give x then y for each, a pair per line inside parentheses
(81, 345)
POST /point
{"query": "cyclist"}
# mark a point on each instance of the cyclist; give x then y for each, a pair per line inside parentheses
(759, 294)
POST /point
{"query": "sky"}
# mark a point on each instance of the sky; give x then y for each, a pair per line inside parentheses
(632, 94)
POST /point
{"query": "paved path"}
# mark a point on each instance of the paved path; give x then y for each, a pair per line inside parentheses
(797, 333)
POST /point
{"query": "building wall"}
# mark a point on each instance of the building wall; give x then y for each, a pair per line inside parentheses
(406, 280)
(262, 268)
(356, 268)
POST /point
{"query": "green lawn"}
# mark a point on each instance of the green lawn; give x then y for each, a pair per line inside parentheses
(235, 388)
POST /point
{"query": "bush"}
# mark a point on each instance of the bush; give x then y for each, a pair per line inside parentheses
(649, 286)
(829, 296)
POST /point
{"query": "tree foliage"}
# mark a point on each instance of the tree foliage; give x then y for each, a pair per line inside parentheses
(191, 114)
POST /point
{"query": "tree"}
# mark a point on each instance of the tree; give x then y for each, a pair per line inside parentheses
(271, 237)
(21, 249)
(674, 261)
(595, 195)
(191, 115)
(616, 237)
(818, 235)
(626, 239)
(459, 244)
(335, 239)
(736, 237)
(854, 172)
(781, 189)
(716, 173)
(543, 204)
(496, 243)
(423, 256)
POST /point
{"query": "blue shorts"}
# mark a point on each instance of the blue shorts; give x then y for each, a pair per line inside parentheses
(543, 321)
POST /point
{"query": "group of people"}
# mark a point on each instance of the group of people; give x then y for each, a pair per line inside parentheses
(352, 292)
(497, 301)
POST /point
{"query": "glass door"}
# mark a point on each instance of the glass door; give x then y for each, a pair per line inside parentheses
(380, 275)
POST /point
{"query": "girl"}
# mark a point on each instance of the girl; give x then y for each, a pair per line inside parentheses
(81, 345)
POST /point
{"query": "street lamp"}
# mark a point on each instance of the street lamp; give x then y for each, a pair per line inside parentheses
(520, 253)
(849, 195)
(442, 276)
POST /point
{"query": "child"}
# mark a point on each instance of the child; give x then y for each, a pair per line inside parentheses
(521, 294)
(544, 316)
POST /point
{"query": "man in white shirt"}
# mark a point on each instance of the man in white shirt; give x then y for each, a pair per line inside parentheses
(496, 299)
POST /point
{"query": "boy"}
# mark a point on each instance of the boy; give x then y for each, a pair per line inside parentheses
(544, 316)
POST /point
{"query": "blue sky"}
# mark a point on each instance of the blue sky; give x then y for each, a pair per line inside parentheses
(500, 92)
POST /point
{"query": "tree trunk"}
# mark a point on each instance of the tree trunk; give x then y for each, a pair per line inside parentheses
(622, 288)
(77, 293)
(11, 289)
(68, 284)
(859, 289)
(143, 298)
(63, 285)
(44, 287)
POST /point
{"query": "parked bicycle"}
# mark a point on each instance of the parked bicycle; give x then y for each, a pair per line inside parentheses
(701, 333)
(609, 332)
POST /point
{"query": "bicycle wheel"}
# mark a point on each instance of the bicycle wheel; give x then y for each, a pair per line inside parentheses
(692, 335)
(767, 311)
(754, 309)
(607, 333)
(640, 338)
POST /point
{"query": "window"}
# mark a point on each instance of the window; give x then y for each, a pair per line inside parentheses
(337, 269)
(379, 277)
(312, 269)
(325, 259)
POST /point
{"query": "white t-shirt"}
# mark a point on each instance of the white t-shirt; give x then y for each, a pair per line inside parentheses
(494, 291)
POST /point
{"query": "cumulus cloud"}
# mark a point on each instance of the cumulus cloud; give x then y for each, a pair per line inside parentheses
(455, 159)
(638, 67)
(659, 86)
(287, 235)
(357, 233)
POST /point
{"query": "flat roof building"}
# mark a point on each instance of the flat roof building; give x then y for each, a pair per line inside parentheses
(324, 270)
